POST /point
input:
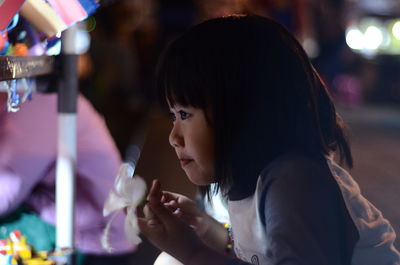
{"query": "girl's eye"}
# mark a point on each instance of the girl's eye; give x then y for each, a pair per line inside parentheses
(172, 116)
(184, 115)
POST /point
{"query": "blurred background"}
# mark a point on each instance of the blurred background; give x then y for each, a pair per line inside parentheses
(354, 44)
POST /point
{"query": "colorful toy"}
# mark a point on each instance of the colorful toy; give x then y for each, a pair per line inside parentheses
(16, 250)
(20, 247)
(3, 42)
(20, 49)
(7, 260)
(4, 247)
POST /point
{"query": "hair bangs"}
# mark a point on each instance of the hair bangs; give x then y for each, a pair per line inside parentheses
(180, 79)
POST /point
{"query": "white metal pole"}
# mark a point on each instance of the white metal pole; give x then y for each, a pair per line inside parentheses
(65, 181)
(66, 160)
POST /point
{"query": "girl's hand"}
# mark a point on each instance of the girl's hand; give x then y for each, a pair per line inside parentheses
(210, 231)
(167, 232)
(187, 211)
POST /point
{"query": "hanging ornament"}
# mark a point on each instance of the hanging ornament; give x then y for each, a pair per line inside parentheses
(13, 101)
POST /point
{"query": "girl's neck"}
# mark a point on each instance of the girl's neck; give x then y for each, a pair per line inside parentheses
(241, 191)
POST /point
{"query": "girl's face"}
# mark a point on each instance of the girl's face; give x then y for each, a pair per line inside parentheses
(192, 138)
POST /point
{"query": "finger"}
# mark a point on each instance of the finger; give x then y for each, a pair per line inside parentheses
(169, 196)
(171, 204)
(188, 219)
(171, 208)
(180, 199)
(151, 228)
(162, 213)
(155, 193)
(148, 214)
(178, 212)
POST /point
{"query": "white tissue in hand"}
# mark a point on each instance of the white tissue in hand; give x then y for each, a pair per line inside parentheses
(128, 193)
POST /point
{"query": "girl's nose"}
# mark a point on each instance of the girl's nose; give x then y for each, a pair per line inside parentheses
(175, 137)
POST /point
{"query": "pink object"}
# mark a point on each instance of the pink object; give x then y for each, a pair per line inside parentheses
(8, 8)
(70, 11)
(28, 153)
(3, 40)
(37, 49)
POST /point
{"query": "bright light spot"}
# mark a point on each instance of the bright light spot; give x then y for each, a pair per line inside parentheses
(82, 42)
(396, 30)
(373, 38)
(355, 39)
(55, 49)
(311, 47)
(386, 39)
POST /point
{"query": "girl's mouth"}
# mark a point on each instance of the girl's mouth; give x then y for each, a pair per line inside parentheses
(184, 162)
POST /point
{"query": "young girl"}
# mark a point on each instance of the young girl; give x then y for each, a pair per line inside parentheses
(252, 115)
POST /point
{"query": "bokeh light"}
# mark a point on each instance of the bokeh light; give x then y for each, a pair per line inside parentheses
(355, 39)
(396, 30)
(373, 38)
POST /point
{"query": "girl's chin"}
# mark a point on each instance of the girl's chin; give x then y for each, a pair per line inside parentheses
(200, 180)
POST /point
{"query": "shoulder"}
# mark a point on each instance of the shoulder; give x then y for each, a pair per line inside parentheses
(298, 181)
(300, 201)
(297, 167)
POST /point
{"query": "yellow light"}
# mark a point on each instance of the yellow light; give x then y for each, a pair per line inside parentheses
(396, 30)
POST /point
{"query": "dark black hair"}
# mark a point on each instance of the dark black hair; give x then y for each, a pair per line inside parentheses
(264, 96)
